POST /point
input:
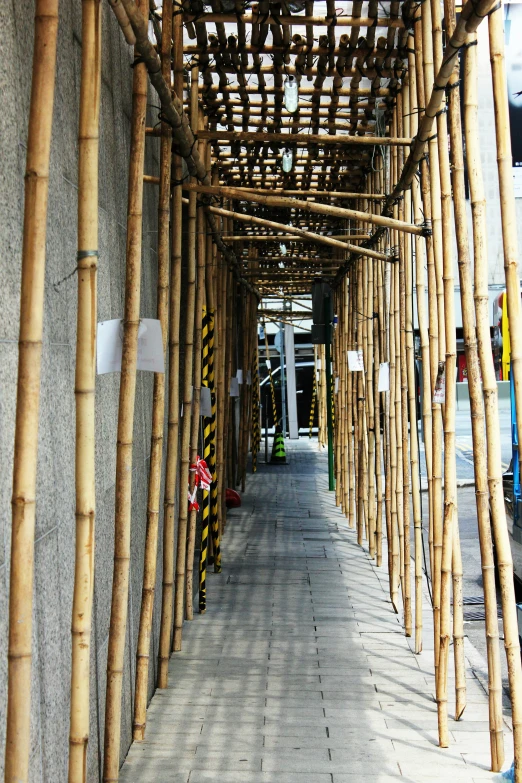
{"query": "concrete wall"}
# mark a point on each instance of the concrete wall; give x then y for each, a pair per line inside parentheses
(54, 549)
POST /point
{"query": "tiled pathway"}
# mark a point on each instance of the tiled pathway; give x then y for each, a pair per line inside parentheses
(299, 671)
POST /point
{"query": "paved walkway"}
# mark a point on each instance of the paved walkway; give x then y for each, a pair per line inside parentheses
(299, 671)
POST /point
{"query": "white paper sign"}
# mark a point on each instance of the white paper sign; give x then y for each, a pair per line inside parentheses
(318, 364)
(268, 364)
(355, 361)
(384, 377)
(109, 346)
(239, 376)
(234, 387)
(205, 403)
(249, 378)
(337, 385)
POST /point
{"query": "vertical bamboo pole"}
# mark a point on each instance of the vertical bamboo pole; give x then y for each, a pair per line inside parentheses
(122, 522)
(191, 325)
(507, 201)
(222, 391)
(171, 469)
(370, 373)
(403, 107)
(17, 747)
(88, 143)
(394, 541)
(477, 418)
(201, 256)
(449, 540)
(191, 317)
(158, 407)
(420, 254)
(489, 386)
(350, 409)
(510, 246)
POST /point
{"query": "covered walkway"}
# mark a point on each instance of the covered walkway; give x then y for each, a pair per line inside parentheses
(299, 672)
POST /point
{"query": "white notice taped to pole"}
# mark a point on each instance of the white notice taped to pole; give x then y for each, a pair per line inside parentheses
(384, 377)
(234, 387)
(355, 361)
(337, 385)
(239, 376)
(109, 346)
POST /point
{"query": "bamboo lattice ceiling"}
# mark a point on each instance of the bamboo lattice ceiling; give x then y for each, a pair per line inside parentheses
(347, 61)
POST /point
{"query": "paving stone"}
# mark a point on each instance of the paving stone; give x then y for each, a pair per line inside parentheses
(299, 672)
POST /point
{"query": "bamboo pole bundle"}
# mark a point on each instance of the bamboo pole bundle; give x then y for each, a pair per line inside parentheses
(158, 410)
(489, 385)
(171, 469)
(370, 371)
(192, 316)
(122, 522)
(477, 422)
(88, 143)
(17, 749)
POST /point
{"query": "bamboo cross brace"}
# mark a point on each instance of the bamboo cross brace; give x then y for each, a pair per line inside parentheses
(305, 206)
(298, 232)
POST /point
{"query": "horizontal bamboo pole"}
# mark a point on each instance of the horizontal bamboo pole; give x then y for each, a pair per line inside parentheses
(303, 139)
(299, 232)
(153, 180)
(331, 193)
(308, 206)
(285, 237)
(214, 46)
(286, 20)
(379, 92)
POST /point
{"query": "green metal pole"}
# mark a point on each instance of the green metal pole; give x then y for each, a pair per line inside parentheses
(329, 402)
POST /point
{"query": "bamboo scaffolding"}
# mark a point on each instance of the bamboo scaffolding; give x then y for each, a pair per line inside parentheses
(122, 521)
(158, 412)
(88, 142)
(17, 748)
